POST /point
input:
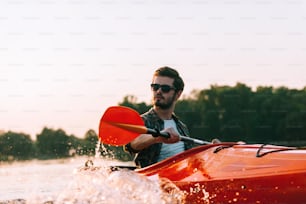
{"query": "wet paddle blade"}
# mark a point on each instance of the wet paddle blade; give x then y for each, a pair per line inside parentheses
(119, 125)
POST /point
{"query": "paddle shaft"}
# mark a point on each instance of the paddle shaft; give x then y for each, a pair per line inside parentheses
(156, 133)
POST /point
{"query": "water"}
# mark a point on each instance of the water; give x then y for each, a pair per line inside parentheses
(24, 179)
(68, 181)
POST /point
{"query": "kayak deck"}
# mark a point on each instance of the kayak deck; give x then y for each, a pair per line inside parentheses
(230, 172)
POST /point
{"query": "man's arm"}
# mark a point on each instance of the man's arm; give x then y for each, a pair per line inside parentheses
(142, 141)
(145, 140)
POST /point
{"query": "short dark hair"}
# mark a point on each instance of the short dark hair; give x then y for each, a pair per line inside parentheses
(172, 73)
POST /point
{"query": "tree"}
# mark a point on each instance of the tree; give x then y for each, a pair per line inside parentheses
(53, 143)
(268, 115)
(207, 103)
(89, 144)
(234, 104)
(15, 146)
(131, 101)
(188, 110)
(91, 136)
(75, 145)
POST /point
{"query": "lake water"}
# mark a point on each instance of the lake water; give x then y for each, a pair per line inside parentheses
(36, 178)
(67, 181)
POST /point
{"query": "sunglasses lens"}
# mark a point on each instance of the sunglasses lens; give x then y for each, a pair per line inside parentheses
(164, 88)
(155, 87)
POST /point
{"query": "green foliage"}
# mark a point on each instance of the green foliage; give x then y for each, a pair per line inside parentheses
(89, 143)
(53, 143)
(76, 145)
(131, 101)
(266, 115)
(15, 146)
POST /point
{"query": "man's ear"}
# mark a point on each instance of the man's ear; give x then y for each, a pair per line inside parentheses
(178, 94)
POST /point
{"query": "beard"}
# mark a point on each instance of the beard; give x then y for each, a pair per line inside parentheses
(164, 105)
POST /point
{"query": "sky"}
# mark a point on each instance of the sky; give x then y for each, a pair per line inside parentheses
(63, 62)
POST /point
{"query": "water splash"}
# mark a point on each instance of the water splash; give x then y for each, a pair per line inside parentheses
(97, 182)
(102, 151)
(97, 150)
(101, 185)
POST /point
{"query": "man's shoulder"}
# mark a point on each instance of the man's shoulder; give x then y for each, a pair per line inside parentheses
(151, 119)
(182, 124)
(149, 114)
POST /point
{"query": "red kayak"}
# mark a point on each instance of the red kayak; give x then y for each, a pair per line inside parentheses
(232, 173)
(218, 173)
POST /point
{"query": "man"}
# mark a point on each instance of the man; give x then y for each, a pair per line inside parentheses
(167, 86)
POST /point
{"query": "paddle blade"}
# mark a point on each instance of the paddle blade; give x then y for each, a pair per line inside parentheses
(114, 126)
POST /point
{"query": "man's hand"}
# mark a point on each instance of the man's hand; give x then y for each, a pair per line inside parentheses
(174, 136)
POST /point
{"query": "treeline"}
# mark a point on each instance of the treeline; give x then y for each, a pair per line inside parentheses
(266, 115)
(53, 144)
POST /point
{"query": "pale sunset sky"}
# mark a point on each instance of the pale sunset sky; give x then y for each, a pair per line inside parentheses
(63, 62)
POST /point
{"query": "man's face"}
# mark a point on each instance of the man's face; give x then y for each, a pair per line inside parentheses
(163, 99)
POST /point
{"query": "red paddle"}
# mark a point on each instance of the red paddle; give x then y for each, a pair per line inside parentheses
(119, 125)
(113, 134)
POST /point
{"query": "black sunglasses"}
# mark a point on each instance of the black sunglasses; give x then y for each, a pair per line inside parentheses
(164, 87)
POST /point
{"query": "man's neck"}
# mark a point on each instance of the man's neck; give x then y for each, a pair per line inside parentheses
(164, 114)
